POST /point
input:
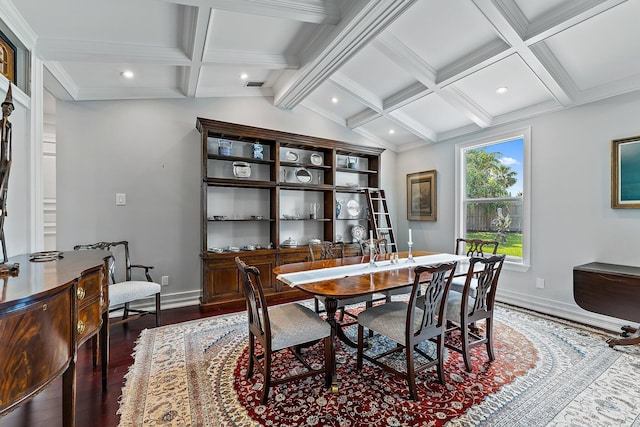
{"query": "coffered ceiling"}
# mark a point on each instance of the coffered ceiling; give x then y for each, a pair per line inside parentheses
(400, 72)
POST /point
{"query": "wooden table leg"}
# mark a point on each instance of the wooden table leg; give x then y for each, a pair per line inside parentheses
(331, 305)
(629, 336)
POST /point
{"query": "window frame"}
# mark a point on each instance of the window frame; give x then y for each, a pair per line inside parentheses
(491, 138)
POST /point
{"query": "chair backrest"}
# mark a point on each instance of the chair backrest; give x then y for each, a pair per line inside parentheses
(328, 250)
(380, 246)
(433, 301)
(119, 262)
(476, 247)
(258, 315)
(486, 284)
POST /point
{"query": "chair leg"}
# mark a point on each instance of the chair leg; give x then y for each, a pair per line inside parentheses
(489, 335)
(464, 336)
(360, 347)
(316, 305)
(411, 373)
(125, 313)
(440, 355)
(251, 351)
(158, 309)
(341, 314)
(328, 366)
(267, 378)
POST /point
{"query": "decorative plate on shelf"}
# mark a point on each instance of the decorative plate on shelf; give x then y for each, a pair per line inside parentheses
(353, 207)
(291, 156)
(358, 232)
(316, 159)
(303, 175)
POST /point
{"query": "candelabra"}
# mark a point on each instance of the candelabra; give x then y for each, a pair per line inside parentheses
(410, 255)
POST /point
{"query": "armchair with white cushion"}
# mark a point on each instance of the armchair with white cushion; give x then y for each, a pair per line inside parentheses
(124, 289)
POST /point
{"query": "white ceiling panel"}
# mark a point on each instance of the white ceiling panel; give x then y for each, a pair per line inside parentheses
(524, 88)
(116, 21)
(435, 113)
(380, 75)
(443, 32)
(386, 129)
(603, 49)
(428, 69)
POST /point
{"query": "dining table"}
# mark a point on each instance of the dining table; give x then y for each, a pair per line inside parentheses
(343, 278)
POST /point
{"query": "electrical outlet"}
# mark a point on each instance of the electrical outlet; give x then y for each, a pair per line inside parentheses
(165, 280)
(540, 283)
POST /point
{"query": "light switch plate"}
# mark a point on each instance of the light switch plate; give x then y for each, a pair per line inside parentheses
(121, 199)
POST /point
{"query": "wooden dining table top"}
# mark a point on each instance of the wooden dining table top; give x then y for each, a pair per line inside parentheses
(351, 286)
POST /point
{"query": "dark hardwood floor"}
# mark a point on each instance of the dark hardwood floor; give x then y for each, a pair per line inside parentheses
(95, 407)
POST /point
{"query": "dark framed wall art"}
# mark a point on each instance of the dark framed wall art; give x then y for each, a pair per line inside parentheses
(625, 173)
(421, 196)
(7, 58)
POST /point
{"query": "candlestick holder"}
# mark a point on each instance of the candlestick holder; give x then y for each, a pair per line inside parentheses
(410, 255)
(372, 255)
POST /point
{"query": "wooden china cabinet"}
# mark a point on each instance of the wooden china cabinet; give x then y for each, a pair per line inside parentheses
(266, 193)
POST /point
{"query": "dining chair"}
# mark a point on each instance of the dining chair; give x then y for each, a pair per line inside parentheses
(464, 309)
(472, 248)
(286, 326)
(411, 323)
(380, 246)
(330, 250)
(124, 289)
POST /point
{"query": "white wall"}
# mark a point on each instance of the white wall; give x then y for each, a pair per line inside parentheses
(572, 221)
(150, 150)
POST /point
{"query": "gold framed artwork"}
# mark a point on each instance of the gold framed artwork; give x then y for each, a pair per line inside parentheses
(7, 58)
(625, 173)
(421, 196)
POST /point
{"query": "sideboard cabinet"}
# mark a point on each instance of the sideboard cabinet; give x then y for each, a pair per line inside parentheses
(266, 194)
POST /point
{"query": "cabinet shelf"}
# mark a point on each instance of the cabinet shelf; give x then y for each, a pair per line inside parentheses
(363, 171)
(305, 165)
(305, 187)
(229, 182)
(240, 220)
(240, 159)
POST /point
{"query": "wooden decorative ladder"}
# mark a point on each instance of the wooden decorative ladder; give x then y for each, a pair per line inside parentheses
(379, 218)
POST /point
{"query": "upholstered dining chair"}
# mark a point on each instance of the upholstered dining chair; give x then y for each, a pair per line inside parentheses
(329, 250)
(287, 326)
(123, 288)
(465, 309)
(409, 324)
(472, 248)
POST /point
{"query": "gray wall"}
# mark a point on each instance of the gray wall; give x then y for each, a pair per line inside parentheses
(150, 150)
(572, 221)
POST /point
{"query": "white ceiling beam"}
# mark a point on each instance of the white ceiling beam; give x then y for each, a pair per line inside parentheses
(399, 53)
(363, 21)
(102, 51)
(406, 96)
(356, 90)
(503, 26)
(416, 128)
(194, 36)
(255, 59)
(310, 105)
(314, 11)
(57, 71)
(362, 118)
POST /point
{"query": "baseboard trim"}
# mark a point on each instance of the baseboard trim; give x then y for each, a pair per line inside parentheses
(561, 309)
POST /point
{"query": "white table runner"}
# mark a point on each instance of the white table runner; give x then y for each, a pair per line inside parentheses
(310, 276)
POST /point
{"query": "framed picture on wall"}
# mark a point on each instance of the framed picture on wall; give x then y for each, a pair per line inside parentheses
(7, 58)
(625, 173)
(421, 196)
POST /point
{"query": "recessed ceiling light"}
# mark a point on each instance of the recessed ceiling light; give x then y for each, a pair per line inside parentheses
(392, 131)
(334, 100)
(244, 76)
(502, 89)
(127, 74)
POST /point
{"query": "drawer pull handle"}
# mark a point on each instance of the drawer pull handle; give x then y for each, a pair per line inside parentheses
(81, 327)
(44, 307)
(80, 293)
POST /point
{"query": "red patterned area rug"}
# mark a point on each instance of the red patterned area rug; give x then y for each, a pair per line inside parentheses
(545, 373)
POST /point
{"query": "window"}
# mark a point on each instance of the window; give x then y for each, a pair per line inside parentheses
(493, 193)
